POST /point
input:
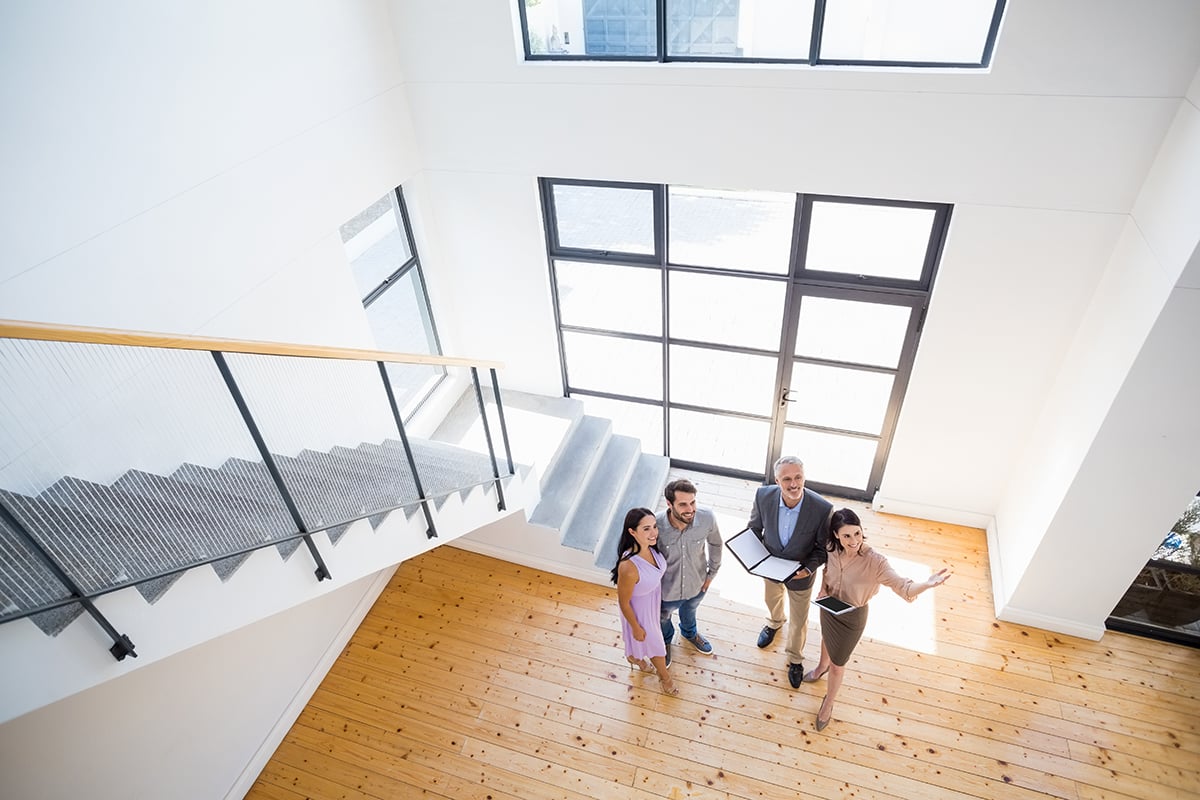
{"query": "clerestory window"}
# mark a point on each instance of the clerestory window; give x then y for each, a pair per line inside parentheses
(873, 33)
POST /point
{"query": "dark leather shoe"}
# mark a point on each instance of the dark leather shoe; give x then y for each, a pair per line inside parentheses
(795, 675)
(668, 654)
(766, 636)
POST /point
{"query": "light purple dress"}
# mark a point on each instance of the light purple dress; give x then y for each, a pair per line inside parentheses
(646, 602)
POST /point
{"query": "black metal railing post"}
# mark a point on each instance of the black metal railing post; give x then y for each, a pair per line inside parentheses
(487, 434)
(322, 572)
(122, 645)
(512, 470)
(431, 531)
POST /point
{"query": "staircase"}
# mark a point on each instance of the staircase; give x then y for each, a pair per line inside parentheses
(144, 524)
(589, 478)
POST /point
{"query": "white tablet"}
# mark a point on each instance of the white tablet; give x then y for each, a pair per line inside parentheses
(833, 605)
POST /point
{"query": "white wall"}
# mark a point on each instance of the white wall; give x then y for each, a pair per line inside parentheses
(1042, 157)
(185, 167)
(184, 726)
(1111, 463)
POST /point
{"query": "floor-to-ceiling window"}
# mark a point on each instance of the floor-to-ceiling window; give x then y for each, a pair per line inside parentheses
(724, 328)
(383, 258)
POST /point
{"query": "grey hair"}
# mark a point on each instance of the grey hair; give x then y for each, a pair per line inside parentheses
(786, 460)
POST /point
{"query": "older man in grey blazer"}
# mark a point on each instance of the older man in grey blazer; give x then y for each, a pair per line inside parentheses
(793, 523)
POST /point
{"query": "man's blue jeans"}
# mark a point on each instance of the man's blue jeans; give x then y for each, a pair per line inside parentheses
(687, 617)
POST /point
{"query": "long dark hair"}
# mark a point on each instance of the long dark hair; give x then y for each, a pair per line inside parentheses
(628, 546)
(840, 519)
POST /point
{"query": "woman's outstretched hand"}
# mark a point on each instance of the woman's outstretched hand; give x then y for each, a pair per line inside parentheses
(938, 578)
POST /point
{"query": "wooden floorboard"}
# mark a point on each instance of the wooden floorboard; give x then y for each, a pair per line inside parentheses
(477, 678)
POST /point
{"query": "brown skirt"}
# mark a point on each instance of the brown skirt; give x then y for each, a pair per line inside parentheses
(841, 632)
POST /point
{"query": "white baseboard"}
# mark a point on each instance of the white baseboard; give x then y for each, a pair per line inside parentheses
(952, 516)
(299, 702)
(1066, 626)
(582, 573)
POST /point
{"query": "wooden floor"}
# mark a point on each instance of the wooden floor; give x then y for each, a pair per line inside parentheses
(477, 678)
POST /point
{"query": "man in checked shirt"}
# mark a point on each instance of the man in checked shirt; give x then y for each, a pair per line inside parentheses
(689, 538)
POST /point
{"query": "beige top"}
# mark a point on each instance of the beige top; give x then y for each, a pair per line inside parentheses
(856, 579)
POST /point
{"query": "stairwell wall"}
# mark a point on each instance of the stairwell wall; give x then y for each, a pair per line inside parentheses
(184, 168)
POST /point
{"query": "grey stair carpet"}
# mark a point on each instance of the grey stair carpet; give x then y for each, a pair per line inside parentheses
(643, 490)
(255, 510)
(97, 552)
(145, 524)
(247, 480)
(231, 517)
(571, 471)
(591, 515)
(28, 583)
(384, 470)
(443, 468)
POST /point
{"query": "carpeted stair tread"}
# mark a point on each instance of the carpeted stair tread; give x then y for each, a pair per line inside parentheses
(29, 583)
(590, 517)
(98, 552)
(378, 488)
(243, 519)
(249, 481)
(442, 468)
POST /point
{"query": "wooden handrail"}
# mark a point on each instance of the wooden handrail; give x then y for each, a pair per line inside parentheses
(46, 332)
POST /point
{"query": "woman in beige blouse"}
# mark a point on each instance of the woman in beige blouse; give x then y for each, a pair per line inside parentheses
(853, 574)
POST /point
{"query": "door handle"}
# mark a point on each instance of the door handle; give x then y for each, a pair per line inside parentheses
(786, 397)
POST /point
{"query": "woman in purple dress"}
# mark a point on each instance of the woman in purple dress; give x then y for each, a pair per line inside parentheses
(638, 576)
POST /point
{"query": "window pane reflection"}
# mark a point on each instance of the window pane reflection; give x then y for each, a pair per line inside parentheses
(613, 365)
(726, 310)
(851, 330)
(734, 230)
(882, 241)
(830, 458)
(834, 397)
(749, 29)
(727, 442)
(605, 218)
(610, 297)
(717, 379)
(946, 31)
(375, 243)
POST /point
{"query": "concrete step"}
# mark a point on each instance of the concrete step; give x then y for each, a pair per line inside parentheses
(564, 485)
(538, 427)
(592, 513)
(644, 489)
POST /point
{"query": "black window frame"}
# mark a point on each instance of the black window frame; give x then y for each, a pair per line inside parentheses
(814, 59)
(801, 282)
(413, 262)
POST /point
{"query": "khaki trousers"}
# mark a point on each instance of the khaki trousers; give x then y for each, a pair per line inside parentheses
(797, 603)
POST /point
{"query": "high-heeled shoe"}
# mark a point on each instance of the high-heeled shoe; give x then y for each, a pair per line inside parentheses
(643, 664)
(669, 687)
(813, 675)
(822, 724)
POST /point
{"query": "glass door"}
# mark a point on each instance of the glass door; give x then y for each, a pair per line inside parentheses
(842, 380)
(725, 327)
